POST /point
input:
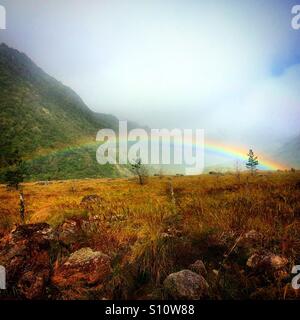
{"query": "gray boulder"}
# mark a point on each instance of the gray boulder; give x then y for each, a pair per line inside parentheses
(186, 285)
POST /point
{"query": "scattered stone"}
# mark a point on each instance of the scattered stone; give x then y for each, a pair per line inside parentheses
(25, 253)
(186, 285)
(198, 267)
(82, 275)
(68, 232)
(72, 229)
(266, 261)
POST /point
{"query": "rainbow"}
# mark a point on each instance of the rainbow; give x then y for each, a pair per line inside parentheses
(210, 146)
(233, 152)
(241, 154)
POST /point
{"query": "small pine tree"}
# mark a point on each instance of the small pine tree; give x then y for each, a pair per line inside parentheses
(252, 162)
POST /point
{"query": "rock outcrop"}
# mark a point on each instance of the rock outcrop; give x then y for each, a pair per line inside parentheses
(26, 255)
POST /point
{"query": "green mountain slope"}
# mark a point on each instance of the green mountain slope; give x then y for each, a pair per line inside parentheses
(37, 112)
(39, 115)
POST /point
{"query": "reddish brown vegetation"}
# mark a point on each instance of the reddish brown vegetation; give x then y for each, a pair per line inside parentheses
(141, 234)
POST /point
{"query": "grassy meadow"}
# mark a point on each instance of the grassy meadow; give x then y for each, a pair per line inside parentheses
(163, 226)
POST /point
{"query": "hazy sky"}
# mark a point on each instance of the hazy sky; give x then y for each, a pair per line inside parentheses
(230, 67)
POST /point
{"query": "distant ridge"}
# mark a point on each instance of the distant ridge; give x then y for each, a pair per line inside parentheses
(289, 153)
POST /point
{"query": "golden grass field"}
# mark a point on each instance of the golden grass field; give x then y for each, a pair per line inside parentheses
(150, 233)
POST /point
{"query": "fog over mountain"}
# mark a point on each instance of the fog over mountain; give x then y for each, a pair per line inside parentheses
(230, 67)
